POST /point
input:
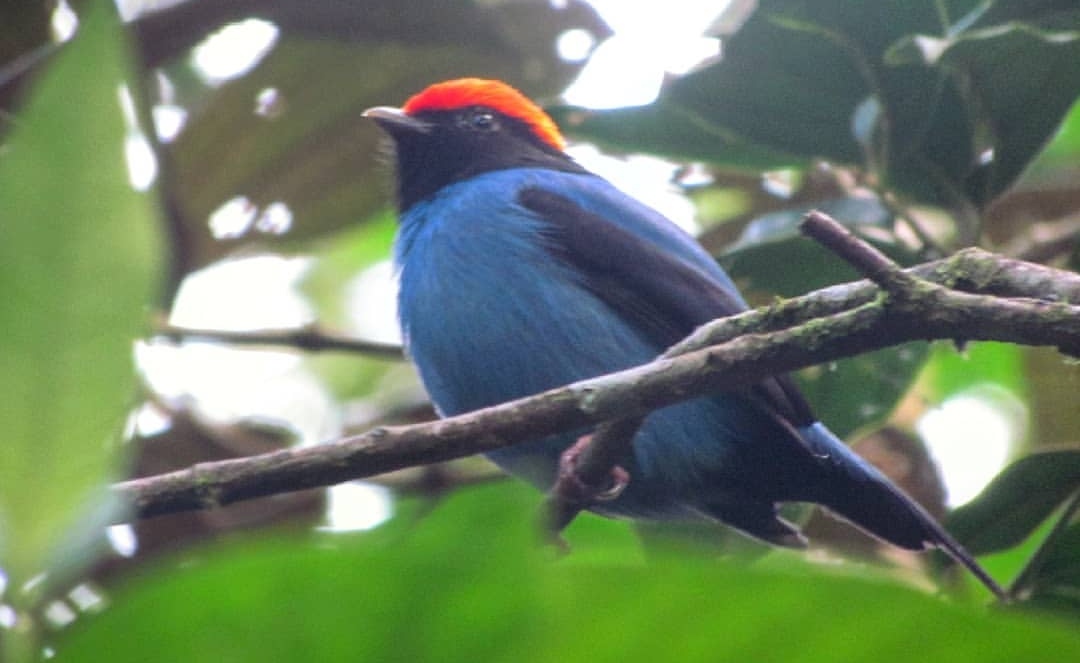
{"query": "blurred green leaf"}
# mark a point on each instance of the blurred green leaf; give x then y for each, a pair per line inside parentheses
(1053, 382)
(1056, 586)
(78, 252)
(341, 258)
(467, 583)
(1006, 564)
(738, 111)
(982, 14)
(1009, 509)
(951, 371)
(1064, 147)
(24, 28)
(789, 83)
(860, 391)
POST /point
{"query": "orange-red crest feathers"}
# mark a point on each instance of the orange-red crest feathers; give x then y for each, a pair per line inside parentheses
(496, 95)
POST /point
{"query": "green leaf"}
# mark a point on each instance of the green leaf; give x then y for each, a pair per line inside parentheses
(950, 371)
(1017, 80)
(985, 14)
(1016, 501)
(860, 391)
(340, 258)
(790, 82)
(468, 584)
(78, 251)
(331, 285)
(774, 239)
(1056, 586)
(1063, 151)
(669, 130)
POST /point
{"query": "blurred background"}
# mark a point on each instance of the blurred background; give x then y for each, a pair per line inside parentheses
(924, 126)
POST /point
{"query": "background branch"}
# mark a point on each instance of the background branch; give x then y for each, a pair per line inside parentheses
(1005, 300)
(970, 270)
(311, 339)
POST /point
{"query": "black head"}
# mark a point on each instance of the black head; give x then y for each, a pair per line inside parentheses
(455, 130)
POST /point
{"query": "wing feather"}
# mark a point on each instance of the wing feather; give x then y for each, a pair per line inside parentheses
(650, 287)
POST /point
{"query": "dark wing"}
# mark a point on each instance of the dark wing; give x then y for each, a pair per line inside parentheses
(651, 288)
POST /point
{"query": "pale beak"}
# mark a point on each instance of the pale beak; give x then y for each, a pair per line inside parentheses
(394, 120)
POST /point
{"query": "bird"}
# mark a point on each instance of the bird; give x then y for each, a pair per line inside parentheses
(520, 271)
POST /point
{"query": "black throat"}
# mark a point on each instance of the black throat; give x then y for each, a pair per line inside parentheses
(450, 151)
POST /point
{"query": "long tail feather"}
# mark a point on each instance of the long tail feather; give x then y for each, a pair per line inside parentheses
(865, 497)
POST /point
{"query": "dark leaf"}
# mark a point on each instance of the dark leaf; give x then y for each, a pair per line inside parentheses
(22, 32)
(774, 240)
(668, 130)
(947, 107)
(1016, 501)
(1056, 586)
(1016, 80)
(783, 92)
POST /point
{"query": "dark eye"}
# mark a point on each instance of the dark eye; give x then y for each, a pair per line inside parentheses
(481, 119)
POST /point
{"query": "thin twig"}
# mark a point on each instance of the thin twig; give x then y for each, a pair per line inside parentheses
(311, 339)
(870, 262)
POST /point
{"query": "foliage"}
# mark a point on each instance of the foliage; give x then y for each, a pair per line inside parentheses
(425, 592)
(931, 117)
(918, 93)
(78, 259)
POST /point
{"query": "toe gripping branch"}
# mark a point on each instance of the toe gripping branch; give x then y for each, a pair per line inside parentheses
(589, 473)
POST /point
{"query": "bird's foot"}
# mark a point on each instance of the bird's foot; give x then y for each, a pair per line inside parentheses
(573, 489)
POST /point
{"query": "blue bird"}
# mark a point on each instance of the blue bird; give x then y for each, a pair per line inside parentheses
(520, 271)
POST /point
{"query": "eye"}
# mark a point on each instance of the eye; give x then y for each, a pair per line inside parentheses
(481, 119)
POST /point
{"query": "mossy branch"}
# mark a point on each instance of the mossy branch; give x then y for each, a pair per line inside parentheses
(973, 295)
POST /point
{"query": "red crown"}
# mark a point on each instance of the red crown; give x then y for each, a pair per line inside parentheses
(496, 95)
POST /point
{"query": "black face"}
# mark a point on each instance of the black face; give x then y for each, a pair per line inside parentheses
(442, 147)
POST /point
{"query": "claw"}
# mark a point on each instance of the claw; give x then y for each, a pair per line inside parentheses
(620, 478)
(571, 488)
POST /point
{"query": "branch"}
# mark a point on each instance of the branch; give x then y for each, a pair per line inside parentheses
(971, 270)
(1005, 300)
(870, 262)
(311, 339)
